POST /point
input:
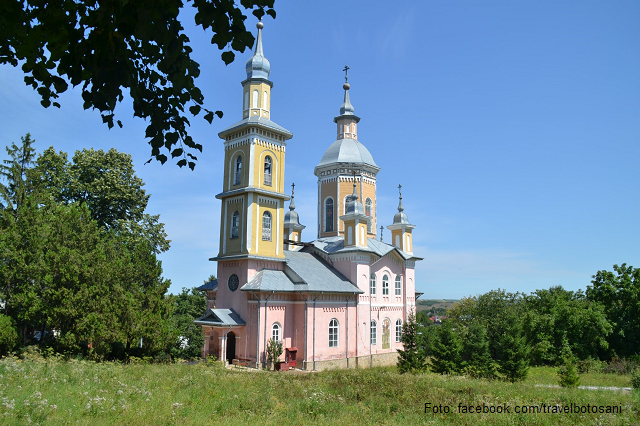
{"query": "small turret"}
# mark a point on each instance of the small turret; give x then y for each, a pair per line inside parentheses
(355, 220)
(401, 228)
(292, 227)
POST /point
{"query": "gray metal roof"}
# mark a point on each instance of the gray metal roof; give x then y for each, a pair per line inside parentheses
(260, 122)
(304, 272)
(258, 65)
(347, 151)
(221, 317)
(210, 286)
(332, 245)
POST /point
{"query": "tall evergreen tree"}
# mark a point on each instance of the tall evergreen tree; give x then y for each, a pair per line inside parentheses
(476, 359)
(411, 358)
(446, 349)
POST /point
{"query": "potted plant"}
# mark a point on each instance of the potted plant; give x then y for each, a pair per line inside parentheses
(274, 350)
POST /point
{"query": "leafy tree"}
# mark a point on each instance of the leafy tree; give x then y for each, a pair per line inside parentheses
(411, 358)
(107, 183)
(274, 351)
(138, 47)
(189, 340)
(446, 349)
(8, 335)
(619, 293)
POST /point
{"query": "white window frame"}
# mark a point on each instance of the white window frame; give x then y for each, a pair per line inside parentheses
(398, 285)
(333, 214)
(238, 171)
(398, 330)
(334, 333)
(276, 332)
(373, 333)
(385, 285)
(268, 170)
(266, 226)
(235, 224)
(372, 284)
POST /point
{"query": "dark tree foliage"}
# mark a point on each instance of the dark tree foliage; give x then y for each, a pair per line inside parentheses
(117, 48)
(14, 172)
(446, 350)
(512, 351)
(619, 293)
(411, 358)
(475, 356)
(189, 339)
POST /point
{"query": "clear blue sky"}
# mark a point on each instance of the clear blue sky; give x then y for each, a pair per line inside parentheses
(514, 128)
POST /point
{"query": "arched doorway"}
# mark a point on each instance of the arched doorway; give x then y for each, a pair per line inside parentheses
(231, 346)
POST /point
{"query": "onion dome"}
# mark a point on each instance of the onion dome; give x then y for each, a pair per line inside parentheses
(291, 218)
(400, 218)
(258, 66)
(353, 205)
(346, 108)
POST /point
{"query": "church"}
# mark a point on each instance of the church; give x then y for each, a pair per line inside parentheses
(336, 302)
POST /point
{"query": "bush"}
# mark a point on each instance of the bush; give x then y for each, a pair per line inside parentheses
(274, 350)
(621, 366)
(590, 365)
(635, 379)
(568, 374)
(8, 335)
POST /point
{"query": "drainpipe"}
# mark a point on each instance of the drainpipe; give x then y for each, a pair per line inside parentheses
(265, 326)
(347, 329)
(257, 332)
(356, 297)
(306, 305)
(370, 348)
(314, 331)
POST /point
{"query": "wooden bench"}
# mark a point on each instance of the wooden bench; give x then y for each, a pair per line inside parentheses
(241, 362)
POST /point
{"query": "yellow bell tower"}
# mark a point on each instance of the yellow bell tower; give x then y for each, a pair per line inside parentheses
(253, 189)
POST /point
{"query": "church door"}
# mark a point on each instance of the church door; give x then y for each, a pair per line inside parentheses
(231, 347)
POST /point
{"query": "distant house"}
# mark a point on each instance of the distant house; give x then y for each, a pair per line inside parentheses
(339, 300)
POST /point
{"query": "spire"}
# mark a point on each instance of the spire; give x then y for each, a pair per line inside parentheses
(292, 206)
(401, 216)
(346, 108)
(400, 206)
(381, 230)
(258, 66)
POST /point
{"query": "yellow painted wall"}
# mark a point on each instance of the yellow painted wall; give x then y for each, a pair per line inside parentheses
(277, 173)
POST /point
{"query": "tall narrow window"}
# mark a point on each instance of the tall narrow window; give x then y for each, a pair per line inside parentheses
(328, 216)
(398, 285)
(276, 332)
(265, 100)
(267, 170)
(385, 285)
(266, 226)
(235, 222)
(333, 333)
(246, 100)
(238, 172)
(399, 330)
(255, 99)
(374, 332)
(367, 210)
(372, 284)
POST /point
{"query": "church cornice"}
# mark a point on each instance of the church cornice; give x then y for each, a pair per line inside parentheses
(251, 189)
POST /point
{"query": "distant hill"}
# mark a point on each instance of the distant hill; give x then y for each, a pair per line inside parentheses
(435, 306)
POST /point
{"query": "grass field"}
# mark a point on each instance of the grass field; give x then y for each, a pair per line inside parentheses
(51, 392)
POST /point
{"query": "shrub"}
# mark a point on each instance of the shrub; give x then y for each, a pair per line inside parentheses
(568, 374)
(620, 366)
(8, 335)
(274, 350)
(635, 379)
(590, 365)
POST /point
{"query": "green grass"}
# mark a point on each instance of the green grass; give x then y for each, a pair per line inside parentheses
(77, 392)
(548, 376)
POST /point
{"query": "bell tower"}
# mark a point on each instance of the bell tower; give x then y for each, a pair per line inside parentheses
(253, 194)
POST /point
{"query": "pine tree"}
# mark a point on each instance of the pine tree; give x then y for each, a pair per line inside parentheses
(476, 359)
(512, 350)
(446, 350)
(411, 358)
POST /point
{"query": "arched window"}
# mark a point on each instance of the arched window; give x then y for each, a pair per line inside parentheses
(276, 332)
(333, 333)
(264, 100)
(398, 285)
(399, 330)
(385, 285)
(266, 226)
(328, 215)
(235, 222)
(255, 99)
(372, 284)
(246, 100)
(374, 332)
(367, 210)
(267, 170)
(238, 172)
(408, 247)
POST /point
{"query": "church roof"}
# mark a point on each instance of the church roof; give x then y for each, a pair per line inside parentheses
(304, 272)
(210, 286)
(347, 151)
(332, 245)
(220, 317)
(258, 121)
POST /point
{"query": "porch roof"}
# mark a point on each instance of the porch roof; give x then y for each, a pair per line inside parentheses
(221, 318)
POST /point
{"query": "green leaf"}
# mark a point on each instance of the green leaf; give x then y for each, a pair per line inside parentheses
(228, 57)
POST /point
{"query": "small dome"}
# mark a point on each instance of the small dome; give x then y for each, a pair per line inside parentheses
(348, 151)
(354, 206)
(400, 218)
(258, 66)
(291, 217)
